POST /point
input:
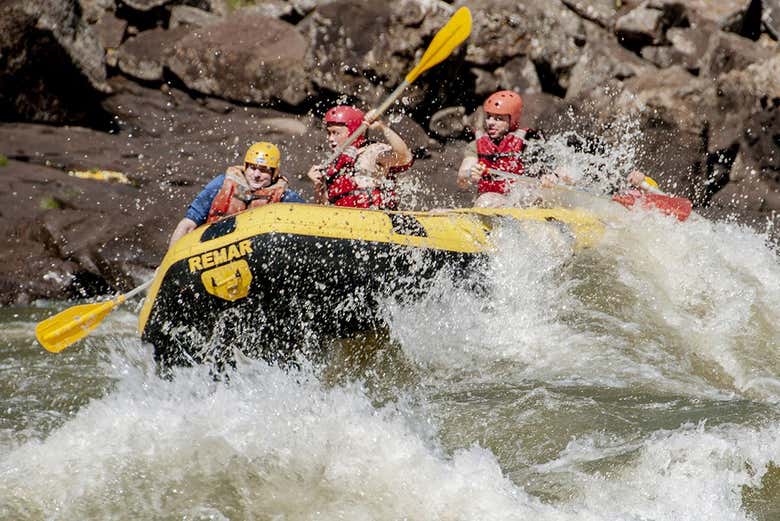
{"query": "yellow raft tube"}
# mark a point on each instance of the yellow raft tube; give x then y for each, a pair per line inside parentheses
(264, 279)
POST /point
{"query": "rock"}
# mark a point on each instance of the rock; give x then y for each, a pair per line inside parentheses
(655, 119)
(365, 48)
(53, 66)
(92, 10)
(145, 55)
(304, 7)
(754, 184)
(729, 15)
(485, 82)
(110, 30)
(771, 18)
(145, 5)
(288, 126)
(538, 110)
(270, 8)
(546, 31)
(602, 60)
(727, 52)
(220, 8)
(741, 94)
(689, 45)
(449, 122)
(232, 59)
(663, 56)
(70, 227)
(518, 74)
(602, 12)
(641, 26)
(191, 16)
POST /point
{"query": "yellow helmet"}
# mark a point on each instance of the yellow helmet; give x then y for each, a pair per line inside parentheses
(265, 154)
(651, 182)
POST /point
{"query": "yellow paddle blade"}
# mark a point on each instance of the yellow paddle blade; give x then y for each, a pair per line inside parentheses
(65, 328)
(450, 36)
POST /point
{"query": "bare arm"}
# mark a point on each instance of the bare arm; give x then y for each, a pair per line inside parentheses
(400, 154)
(318, 179)
(184, 227)
(464, 172)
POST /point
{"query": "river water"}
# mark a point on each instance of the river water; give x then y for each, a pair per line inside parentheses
(636, 381)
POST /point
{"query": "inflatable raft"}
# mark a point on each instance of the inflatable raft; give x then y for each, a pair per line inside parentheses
(267, 279)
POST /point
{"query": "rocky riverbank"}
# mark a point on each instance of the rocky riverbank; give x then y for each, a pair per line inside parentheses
(168, 92)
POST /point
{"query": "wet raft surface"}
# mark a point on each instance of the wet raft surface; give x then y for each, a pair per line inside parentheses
(279, 276)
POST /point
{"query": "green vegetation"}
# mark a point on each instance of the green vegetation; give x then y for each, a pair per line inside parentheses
(236, 4)
(3, 160)
(50, 203)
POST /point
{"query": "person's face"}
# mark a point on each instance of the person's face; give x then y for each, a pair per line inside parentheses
(337, 135)
(258, 176)
(496, 125)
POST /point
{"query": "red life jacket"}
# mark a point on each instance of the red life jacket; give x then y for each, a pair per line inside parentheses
(504, 156)
(343, 190)
(680, 207)
(234, 196)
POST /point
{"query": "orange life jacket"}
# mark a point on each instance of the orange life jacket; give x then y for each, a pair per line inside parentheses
(234, 196)
(504, 156)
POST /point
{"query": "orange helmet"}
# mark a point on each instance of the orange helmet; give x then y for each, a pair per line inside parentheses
(505, 102)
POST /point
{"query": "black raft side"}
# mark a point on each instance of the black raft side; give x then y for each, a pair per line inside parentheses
(302, 287)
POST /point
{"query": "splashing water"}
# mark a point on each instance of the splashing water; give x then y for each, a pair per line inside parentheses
(638, 380)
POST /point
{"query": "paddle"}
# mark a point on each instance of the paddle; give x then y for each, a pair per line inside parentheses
(454, 32)
(69, 326)
(679, 207)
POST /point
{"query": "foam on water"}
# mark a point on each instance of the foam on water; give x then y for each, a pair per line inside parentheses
(580, 371)
(275, 444)
(270, 443)
(691, 308)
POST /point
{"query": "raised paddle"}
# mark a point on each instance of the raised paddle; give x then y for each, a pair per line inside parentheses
(454, 32)
(69, 326)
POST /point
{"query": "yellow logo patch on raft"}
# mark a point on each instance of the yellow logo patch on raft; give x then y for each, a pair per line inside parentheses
(221, 256)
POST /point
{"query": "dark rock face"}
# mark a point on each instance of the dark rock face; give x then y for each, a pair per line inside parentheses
(50, 60)
(170, 92)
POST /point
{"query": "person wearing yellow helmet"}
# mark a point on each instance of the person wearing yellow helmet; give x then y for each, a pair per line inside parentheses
(640, 181)
(258, 182)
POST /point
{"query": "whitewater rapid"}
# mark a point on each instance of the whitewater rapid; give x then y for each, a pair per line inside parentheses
(638, 380)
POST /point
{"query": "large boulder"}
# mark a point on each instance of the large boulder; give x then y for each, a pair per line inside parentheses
(686, 47)
(748, 112)
(247, 58)
(145, 55)
(602, 59)
(364, 48)
(644, 25)
(728, 51)
(191, 16)
(75, 238)
(53, 67)
(546, 31)
(739, 16)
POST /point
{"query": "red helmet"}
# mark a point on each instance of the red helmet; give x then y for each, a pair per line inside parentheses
(346, 115)
(505, 102)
